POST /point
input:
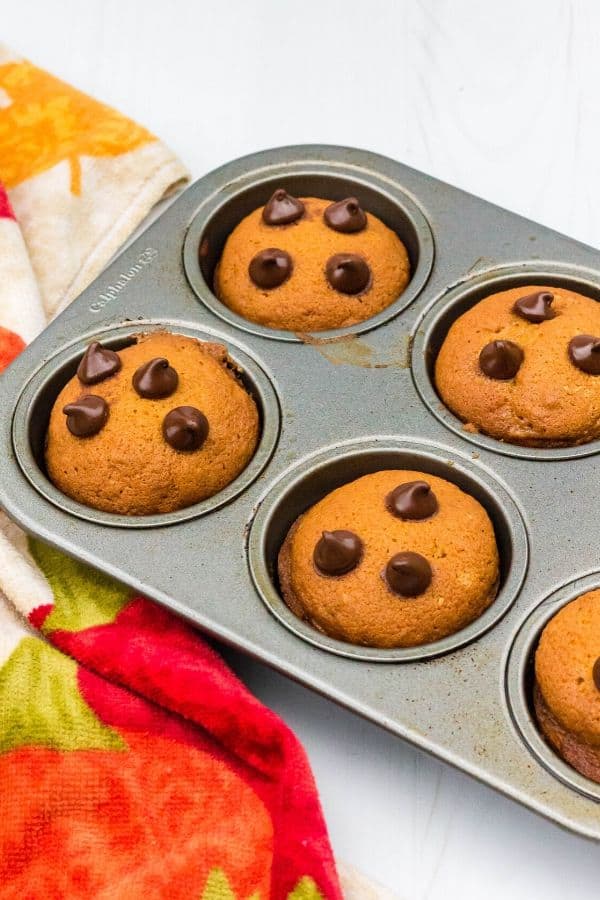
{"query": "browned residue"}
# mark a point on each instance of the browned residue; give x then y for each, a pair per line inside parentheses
(350, 350)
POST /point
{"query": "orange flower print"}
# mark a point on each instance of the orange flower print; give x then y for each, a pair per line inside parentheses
(10, 346)
(45, 122)
(159, 819)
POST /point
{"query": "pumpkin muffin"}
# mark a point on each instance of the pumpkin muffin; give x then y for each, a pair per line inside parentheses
(393, 559)
(522, 366)
(309, 264)
(152, 428)
(567, 684)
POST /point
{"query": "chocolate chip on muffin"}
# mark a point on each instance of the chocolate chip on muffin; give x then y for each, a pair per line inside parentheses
(584, 352)
(155, 379)
(282, 209)
(337, 552)
(86, 416)
(408, 574)
(535, 308)
(345, 216)
(98, 363)
(185, 428)
(270, 268)
(348, 273)
(501, 360)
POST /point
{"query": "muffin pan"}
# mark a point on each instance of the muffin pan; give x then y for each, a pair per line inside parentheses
(335, 405)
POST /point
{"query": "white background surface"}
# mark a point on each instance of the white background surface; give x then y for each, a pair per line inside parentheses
(501, 99)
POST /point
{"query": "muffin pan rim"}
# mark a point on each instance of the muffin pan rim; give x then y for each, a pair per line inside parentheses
(268, 503)
(503, 277)
(275, 175)
(519, 658)
(262, 389)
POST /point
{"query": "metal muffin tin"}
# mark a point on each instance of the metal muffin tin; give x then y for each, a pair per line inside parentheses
(333, 406)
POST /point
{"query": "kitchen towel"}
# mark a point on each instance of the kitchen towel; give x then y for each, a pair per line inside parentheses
(133, 762)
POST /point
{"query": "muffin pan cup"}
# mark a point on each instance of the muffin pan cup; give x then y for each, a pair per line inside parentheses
(335, 405)
(33, 407)
(520, 680)
(306, 482)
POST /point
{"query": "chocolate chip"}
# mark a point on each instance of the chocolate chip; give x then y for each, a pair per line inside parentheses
(185, 428)
(270, 268)
(408, 574)
(337, 552)
(86, 416)
(155, 379)
(584, 352)
(345, 216)
(412, 500)
(282, 209)
(596, 673)
(347, 273)
(97, 363)
(501, 360)
(535, 308)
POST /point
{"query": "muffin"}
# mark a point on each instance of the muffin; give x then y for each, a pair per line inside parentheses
(393, 559)
(567, 684)
(155, 427)
(310, 264)
(522, 366)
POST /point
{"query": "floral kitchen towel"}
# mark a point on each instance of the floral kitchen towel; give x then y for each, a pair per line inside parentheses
(80, 176)
(133, 763)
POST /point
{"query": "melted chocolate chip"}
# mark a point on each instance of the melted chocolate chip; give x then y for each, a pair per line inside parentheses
(155, 379)
(337, 552)
(535, 308)
(97, 363)
(282, 209)
(596, 673)
(86, 416)
(408, 574)
(501, 360)
(345, 216)
(270, 268)
(584, 352)
(348, 273)
(185, 428)
(413, 500)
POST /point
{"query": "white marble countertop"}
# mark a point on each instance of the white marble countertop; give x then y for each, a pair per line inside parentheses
(502, 100)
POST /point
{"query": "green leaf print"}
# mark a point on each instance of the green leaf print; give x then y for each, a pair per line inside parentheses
(83, 597)
(306, 889)
(41, 705)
